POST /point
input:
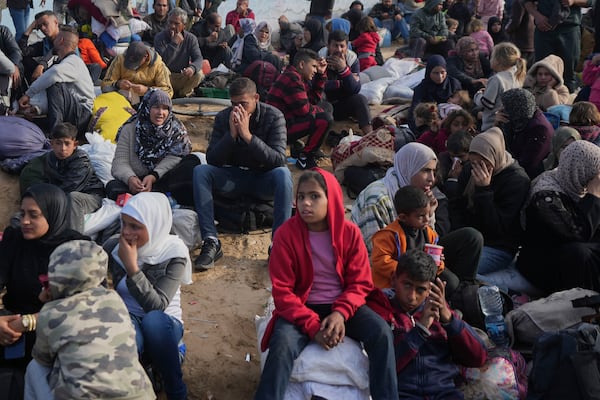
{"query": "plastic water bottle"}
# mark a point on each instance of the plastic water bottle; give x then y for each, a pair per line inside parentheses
(491, 303)
(172, 201)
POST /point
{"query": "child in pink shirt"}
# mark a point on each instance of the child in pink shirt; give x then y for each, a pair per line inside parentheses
(483, 38)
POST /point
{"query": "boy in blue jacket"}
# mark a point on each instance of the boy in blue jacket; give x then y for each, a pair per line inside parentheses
(430, 340)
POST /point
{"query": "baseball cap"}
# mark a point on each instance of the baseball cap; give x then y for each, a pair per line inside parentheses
(134, 55)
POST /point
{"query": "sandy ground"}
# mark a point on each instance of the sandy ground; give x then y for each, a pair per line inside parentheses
(222, 361)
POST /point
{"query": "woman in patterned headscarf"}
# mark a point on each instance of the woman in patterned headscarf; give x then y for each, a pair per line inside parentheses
(562, 217)
(153, 152)
(469, 66)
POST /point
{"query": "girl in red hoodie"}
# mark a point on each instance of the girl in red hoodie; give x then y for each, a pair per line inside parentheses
(320, 273)
(365, 45)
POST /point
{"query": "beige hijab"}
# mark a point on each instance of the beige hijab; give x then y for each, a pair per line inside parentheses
(491, 146)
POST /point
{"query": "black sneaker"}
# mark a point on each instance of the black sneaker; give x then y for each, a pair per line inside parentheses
(306, 161)
(211, 251)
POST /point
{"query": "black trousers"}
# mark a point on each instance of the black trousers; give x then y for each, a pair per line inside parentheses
(177, 181)
(462, 249)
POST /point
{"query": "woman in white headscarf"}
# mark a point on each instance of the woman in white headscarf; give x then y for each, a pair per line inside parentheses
(263, 33)
(148, 267)
(247, 49)
(561, 247)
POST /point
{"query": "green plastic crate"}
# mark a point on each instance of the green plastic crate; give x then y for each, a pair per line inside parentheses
(214, 93)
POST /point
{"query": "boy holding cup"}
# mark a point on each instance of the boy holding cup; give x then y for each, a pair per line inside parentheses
(411, 230)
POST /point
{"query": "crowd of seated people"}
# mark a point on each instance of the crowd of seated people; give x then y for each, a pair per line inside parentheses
(487, 177)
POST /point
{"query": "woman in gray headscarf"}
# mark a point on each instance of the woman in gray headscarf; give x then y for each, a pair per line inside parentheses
(563, 137)
(561, 247)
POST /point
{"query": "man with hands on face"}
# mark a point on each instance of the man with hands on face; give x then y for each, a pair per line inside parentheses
(430, 340)
(180, 52)
(245, 157)
(298, 93)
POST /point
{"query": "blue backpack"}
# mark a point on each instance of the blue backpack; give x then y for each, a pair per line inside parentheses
(566, 365)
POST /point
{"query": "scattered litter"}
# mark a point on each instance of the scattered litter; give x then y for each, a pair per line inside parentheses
(247, 357)
(201, 336)
(228, 355)
(193, 303)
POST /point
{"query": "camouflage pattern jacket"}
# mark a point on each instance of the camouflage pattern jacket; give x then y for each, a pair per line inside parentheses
(85, 334)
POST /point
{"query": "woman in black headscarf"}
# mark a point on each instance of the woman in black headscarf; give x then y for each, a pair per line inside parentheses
(314, 35)
(436, 87)
(496, 30)
(153, 152)
(24, 255)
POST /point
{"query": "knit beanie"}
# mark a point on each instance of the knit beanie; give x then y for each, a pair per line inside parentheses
(519, 104)
(159, 97)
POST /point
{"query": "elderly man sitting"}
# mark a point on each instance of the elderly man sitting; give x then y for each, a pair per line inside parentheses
(180, 52)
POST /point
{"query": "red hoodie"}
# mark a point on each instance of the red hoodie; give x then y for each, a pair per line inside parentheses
(291, 268)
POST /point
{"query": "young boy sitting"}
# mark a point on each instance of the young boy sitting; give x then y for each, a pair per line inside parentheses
(410, 230)
(299, 94)
(429, 338)
(85, 346)
(69, 168)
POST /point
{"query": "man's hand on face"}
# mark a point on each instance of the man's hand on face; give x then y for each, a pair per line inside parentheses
(337, 63)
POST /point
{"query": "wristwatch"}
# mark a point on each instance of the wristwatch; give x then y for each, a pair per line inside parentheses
(26, 322)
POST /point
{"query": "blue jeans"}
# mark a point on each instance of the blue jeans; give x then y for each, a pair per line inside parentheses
(287, 342)
(493, 260)
(396, 28)
(234, 182)
(20, 17)
(157, 335)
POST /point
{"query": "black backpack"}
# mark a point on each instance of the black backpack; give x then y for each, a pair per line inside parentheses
(566, 365)
(242, 215)
(466, 299)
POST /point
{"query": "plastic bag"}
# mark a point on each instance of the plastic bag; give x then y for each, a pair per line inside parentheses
(102, 218)
(101, 153)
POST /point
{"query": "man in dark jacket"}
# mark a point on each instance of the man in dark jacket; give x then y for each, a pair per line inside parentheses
(213, 40)
(343, 83)
(558, 33)
(38, 56)
(157, 20)
(246, 157)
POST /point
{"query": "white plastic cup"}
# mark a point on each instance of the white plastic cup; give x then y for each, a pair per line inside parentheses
(435, 252)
